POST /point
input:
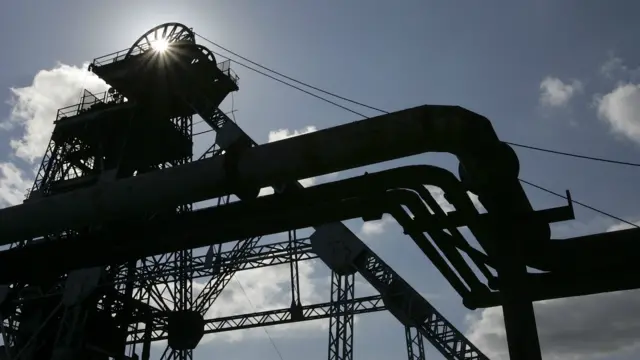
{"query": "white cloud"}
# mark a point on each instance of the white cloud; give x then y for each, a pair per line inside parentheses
(266, 289)
(587, 327)
(556, 93)
(34, 107)
(621, 110)
(33, 111)
(282, 134)
(13, 184)
(376, 227)
(612, 66)
(257, 290)
(615, 68)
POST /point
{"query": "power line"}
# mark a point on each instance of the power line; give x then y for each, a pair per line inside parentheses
(386, 112)
(292, 79)
(574, 155)
(378, 109)
(254, 310)
(290, 85)
(202, 132)
(232, 113)
(578, 203)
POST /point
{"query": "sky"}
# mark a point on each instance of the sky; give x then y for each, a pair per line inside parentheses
(562, 75)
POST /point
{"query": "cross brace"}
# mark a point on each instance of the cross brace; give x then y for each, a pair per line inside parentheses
(361, 305)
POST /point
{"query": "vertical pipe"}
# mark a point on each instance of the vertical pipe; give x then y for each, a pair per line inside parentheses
(519, 317)
(146, 344)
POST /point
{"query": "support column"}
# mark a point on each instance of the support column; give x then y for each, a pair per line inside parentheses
(296, 304)
(415, 343)
(519, 317)
(341, 321)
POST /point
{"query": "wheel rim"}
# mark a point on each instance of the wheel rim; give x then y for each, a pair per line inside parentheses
(168, 33)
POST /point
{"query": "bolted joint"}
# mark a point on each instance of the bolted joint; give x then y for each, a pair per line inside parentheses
(337, 247)
(296, 312)
(185, 329)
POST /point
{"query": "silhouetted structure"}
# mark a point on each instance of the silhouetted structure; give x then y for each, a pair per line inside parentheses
(116, 186)
(64, 310)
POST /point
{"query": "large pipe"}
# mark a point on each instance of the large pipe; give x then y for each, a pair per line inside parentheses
(313, 206)
(489, 165)
(548, 286)
(337, 201)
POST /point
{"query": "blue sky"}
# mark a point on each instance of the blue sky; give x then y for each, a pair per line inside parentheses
(562, 75)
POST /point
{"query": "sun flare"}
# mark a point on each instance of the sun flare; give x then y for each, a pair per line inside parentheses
(160, 45)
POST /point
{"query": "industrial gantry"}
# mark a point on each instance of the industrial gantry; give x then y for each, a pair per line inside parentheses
(117, 184)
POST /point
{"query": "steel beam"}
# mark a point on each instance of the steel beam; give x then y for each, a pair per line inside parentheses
(341, 324)
(411, 309)
(415, 344)
(258, 256)
(361, 305)
(387, 137)
(219, 281)
(321, 204)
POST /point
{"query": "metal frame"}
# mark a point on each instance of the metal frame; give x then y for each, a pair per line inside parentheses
(164, 282)
(153, 295)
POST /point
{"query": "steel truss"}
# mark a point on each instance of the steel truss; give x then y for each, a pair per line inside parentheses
(341, 323)
(143, 125)
(246, 254)
(340, 310)
(145, 296)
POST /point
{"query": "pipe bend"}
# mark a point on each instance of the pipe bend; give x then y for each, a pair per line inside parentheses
(323, 203)
(422, 129)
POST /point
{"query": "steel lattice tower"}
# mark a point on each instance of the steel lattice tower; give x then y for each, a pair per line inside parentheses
(144, 124)
(117, 183)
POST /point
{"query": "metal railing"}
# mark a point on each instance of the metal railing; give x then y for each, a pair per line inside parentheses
(224, 66)
(88, 101)
(120, 55)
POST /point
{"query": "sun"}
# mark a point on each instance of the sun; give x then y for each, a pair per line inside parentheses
(160, 45)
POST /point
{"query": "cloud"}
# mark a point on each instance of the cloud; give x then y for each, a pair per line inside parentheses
(615, 68)
(376, 227)
(34, 107)
(33, 111)
(266, 289)
(587, 327)
(621, 110)
(612, 66)
(13, 184)
(282, 134)
(556, 93)
(257, 290)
